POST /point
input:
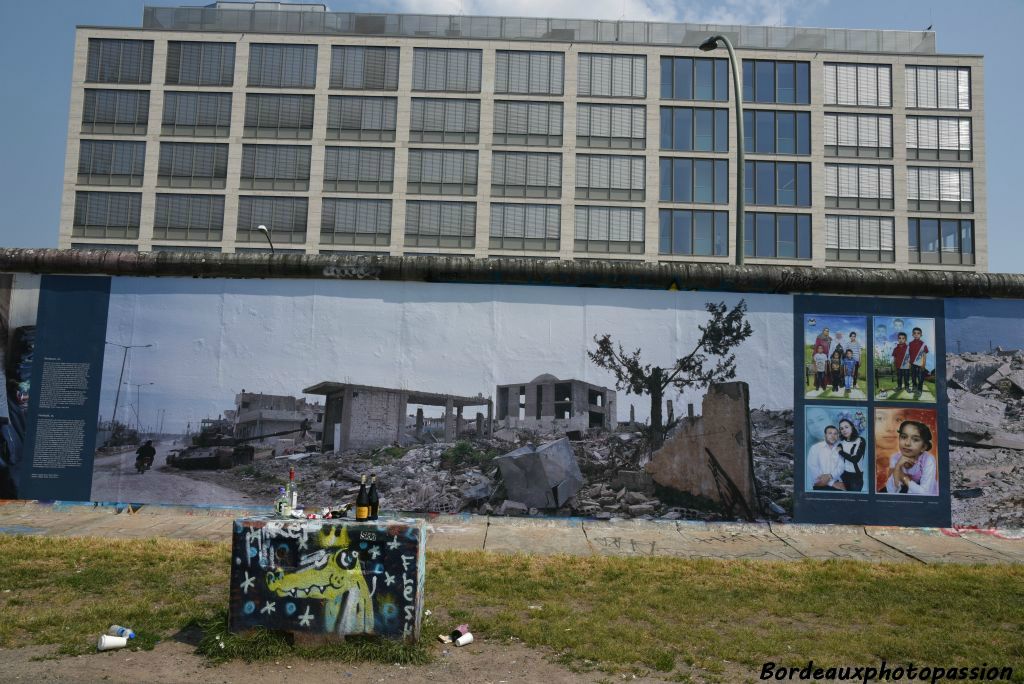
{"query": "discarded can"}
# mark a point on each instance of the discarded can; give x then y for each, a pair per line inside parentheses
(118, 630)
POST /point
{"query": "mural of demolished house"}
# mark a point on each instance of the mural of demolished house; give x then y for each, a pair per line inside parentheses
(547, 403)
(363, 417)
(261, 414)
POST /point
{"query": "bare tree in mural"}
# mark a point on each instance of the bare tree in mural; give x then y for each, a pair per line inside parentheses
(711, 360)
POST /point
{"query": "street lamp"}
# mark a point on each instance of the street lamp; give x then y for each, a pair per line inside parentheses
(120, 379)
(138, 402)
(266, 233)
(707, 46)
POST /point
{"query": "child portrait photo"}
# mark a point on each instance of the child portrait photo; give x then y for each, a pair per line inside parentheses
(906, 451)
(904, 358)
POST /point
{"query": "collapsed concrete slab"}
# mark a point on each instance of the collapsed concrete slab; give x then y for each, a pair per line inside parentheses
(973, 374)
(543, 477)
(974, 415)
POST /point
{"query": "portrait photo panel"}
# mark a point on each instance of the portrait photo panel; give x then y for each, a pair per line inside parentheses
(906, 451)
(837, 446)
(835, 357)
(904, 358)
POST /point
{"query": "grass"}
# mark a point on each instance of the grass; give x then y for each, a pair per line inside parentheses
(706, 620)
(464, 453)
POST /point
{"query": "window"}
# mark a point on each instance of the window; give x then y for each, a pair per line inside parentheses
(528, 123)
(351, 117)
(770, 132)
(202, 64)
(444, 120)
(188, 217)
(860, 238)
(440, 224)
(357, 67)
(782, 184)
(931, 189)
(525, 226)
(121, 112)
(938, 87)
(941, 241)
(861, 85)
(770, 81)
(694, 78)
(201, 115)
(282, 66)
(526, 174)
(777, 236)
(111, 162)
(529, 73)
(610, 229)
(858, 135)
(939, 138)
(359, 169)
(284, 217)
(451, 70)
(107, 214)
(442, 172)
(693, 233)
(111, 60)
(610, 177)
(851, 186)
(693, 129)
(702, 181)
(192, 165)
(278, 116)
(105, 247)
(607, 125)
(612, 76)
(275, 167)
(355, 222)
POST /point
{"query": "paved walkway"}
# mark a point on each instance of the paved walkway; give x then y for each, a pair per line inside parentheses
(761, 541)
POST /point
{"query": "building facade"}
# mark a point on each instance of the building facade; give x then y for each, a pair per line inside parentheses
(489, 136)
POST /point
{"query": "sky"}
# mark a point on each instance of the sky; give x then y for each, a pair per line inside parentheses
(38, 40)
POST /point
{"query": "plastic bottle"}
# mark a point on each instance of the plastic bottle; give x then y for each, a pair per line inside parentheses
(119, 631)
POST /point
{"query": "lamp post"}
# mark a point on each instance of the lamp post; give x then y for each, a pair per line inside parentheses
(266, 233)
(138, 402)
(120, 379)
(707, 46)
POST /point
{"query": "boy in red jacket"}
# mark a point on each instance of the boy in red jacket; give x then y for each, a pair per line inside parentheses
(901, 362)
(918, 352)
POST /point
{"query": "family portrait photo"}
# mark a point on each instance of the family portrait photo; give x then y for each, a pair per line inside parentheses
(837, 446)
(904, 358)
(834, 348)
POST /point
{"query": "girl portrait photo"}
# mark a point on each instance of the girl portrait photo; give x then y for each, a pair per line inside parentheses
(906, 452)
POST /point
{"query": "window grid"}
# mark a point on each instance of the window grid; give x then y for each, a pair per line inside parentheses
(608, 177)
(275, 167)
(772, 132)
(525, 226)
(113, 60)
(528, 123)
(440, 224)
(941, 241)
(694, 129)
(776, 82)
(347, 221)
(107, 214)
(442, 172)
(777, 236)
(452, 70)
(937, 87)
(357, 67)
(608, 125)
(188, 217)
(282, 66)
(695, 78)
(192, 165)
(853, 186)
(526, 174)
(201, 115)
(117, 112)
(278, 116)
(858, 135)
(781, 184)
(618, 230)
(200, 63)
(860, 238)
(444, 120)
(693, 233)
(601, 75)
(700, 181)
(284, 217)
(519, 72)
(940, 189)
(359, 169)
(353, 117)
(111, 162)
(858, 85)
(932, 138)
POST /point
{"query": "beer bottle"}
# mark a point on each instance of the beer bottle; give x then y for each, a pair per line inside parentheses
(373, 498)
(362, 502)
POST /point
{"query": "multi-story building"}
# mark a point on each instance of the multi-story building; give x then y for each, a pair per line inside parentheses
(496, 136)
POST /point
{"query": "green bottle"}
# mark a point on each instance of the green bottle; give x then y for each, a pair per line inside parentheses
(373, 498)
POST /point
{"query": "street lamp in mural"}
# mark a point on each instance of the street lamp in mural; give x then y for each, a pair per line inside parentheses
(120, 379)
(138, 402)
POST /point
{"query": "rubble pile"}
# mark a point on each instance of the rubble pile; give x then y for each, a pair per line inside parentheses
(773, 461)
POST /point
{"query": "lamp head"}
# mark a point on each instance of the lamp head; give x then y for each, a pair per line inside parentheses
(263, 229)
(709, 44)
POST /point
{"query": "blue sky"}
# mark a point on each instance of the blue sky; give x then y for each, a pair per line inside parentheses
(38, 39)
